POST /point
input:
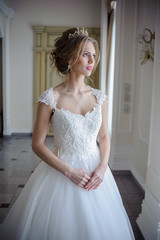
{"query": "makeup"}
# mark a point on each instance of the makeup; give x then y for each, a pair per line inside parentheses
(89, 68)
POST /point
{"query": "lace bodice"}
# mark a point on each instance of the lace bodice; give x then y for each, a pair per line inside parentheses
(75, 135)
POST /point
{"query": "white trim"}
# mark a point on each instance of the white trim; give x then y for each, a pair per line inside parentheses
(156, 64)
(149, 219)
(121, 63)
(117, 67)
(103, 43)
(1, 26)
(142, 138)
(8, 12)
(133, 68)
(153, 170)
(138, 177)
(19, 131)
(111, 71)
(129, 130)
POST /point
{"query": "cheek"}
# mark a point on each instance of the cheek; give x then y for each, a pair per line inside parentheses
(81, 63)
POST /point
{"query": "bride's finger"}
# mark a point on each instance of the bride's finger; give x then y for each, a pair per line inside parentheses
(94, 179)
(80, 185)
(94, 183)
(96, 186)
(84, 181)
(89, 184)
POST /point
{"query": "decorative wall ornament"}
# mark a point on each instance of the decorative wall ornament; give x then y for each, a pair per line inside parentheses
(146, 40)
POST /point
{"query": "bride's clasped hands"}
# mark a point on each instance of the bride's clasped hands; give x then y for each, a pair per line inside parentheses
(97, 176)
(82, 179)
(78, 176)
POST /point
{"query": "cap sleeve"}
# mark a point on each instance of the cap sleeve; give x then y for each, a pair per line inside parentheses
(47, 97)
(100, 95)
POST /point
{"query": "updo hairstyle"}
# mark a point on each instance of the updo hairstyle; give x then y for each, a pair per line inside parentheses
(66, 49)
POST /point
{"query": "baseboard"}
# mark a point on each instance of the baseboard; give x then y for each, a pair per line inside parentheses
(13, 135)
(138, 178)
(149, 219)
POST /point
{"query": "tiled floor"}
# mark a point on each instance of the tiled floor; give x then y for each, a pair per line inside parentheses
(17, 162)
(132, 196)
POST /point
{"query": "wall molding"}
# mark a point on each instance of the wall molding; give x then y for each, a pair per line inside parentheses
(133, 66)
(149, 221)
(138, 177)
(117, 67)
(121, 157)
(121, 63)
(142, 138)
(120, 110)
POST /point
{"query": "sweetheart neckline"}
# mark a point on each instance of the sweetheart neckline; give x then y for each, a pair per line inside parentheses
(77, 114)
(66, 110)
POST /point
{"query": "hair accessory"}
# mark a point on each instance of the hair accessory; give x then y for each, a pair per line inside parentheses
(78, 32)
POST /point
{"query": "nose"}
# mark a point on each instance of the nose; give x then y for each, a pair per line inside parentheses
(90, 60)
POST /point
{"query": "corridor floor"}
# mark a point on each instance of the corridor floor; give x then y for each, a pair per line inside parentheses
(17, 163)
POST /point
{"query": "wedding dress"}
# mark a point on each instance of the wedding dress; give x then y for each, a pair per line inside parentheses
(50, 206)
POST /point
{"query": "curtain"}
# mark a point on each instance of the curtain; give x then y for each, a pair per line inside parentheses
(111, 59)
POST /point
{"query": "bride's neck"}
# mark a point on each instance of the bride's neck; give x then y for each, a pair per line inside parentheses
(75, 84)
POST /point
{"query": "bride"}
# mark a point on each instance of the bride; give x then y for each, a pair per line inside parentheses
(72, 194)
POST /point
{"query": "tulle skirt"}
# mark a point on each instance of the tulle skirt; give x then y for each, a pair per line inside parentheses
(51, 207)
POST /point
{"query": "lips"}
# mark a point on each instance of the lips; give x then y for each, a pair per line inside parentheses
(89, 68)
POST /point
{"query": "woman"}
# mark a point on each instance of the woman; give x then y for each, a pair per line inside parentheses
(72, 194)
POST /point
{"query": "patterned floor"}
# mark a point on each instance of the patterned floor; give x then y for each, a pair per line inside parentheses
(17, 163)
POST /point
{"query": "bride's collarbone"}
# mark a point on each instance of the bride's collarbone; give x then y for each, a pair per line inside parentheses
(75, 103)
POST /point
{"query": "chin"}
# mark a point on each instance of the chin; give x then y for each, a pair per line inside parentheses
(88, 74)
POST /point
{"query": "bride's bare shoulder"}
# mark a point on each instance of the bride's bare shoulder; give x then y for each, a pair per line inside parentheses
(58, 91)
(59, 87)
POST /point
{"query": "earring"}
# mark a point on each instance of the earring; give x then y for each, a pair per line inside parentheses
(69, 67)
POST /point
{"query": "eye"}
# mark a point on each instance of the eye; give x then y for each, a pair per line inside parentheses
(85, 54)
(94, 55)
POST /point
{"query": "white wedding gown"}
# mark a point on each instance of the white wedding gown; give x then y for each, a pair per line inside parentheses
(50, 206)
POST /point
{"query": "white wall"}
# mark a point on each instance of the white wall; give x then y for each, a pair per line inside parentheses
(131, 130)
(38, 12)
(143, 92)
(149, 219)
(135, 141)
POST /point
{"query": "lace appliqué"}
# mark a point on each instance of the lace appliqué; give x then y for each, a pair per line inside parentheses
(47, 97)
(100, 95)
(75, 135)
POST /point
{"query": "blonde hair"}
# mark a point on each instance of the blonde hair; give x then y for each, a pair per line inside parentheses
(65, 49)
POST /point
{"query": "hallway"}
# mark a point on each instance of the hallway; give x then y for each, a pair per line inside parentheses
(17, 162)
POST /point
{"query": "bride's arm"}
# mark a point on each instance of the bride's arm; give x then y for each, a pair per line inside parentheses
(104, 140)
(78, 176)
(104, 145)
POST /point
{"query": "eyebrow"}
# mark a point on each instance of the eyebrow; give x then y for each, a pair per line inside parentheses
(88, 52)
